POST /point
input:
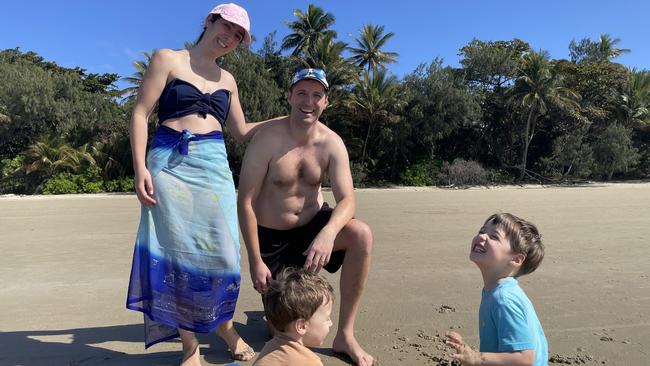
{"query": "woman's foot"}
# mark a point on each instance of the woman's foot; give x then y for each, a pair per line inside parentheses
(239, 350)
(191, 354)
(192, 357)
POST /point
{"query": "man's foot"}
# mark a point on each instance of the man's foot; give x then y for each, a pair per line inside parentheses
(192, 357)
(239, 350)
(350, 346)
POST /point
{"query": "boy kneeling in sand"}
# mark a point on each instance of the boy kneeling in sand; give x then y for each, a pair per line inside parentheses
(298, 304)
(505, 248)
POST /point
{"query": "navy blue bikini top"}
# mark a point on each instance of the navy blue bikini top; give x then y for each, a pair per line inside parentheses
(180, 98)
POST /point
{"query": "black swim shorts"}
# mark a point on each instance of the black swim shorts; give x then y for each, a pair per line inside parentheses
(285, 248)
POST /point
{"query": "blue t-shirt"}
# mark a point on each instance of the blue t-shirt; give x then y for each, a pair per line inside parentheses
(508, 322)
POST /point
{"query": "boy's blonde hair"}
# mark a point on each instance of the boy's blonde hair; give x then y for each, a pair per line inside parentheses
(295, 294)
(524, 239)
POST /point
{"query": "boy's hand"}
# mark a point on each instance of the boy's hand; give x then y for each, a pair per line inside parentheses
(464, 353)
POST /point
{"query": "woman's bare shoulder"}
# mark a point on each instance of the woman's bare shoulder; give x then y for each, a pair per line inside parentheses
(169, 54)
(228, 79)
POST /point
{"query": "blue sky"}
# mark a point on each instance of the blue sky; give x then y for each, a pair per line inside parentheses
(107, 36)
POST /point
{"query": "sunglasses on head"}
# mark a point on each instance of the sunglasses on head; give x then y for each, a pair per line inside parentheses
(318, 74)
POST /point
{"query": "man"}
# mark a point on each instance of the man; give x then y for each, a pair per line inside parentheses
(282, 214)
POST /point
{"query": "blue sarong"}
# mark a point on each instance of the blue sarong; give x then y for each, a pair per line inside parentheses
(185, 271)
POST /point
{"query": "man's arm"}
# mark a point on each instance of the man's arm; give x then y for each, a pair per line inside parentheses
(318, 254)
(253, 171)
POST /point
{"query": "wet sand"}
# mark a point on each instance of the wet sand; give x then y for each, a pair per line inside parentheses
(65, 262)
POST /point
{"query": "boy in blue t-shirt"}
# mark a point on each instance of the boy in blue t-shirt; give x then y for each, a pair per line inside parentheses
(505, 248)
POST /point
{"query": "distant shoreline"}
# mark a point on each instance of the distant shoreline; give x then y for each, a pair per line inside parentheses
(395, 188)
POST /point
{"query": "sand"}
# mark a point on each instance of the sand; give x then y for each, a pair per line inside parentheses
(65, 262)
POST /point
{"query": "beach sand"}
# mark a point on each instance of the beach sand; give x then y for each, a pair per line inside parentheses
(65, 263)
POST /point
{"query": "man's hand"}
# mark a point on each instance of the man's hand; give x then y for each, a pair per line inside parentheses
(261, 275)
(464, 353)
(319, 252)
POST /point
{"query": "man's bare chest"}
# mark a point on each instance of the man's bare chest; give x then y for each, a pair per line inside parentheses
(298, 167)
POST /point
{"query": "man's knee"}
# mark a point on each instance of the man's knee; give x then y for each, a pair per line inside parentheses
(362, 236)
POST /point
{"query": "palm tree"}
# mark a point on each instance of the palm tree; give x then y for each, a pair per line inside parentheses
(603, 50)
(369, 52)
(607, 47)
(46, 158)
(376, 97)
(141, 67)
(113, 155)
(634, 106)
(308, 30)
(53, 156)
(328, 55)
(536, 88)
(341, 75)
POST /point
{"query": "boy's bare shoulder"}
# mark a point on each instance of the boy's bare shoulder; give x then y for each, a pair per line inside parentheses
(283, 352)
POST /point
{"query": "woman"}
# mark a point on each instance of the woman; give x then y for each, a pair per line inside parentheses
(185, 273)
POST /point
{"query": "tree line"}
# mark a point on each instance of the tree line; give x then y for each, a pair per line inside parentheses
(507, 114)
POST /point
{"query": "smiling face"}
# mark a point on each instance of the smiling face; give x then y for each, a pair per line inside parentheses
(492, 252)
(223, 35)
(308, 100)
(318, 326)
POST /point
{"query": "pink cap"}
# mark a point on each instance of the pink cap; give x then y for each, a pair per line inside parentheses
(235, 14)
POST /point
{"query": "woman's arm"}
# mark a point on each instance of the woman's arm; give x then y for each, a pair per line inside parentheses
(239, 129)
(149, 92)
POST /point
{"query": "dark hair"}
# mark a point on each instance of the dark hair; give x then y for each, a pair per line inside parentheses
(212, 18)
(295, 294)
(524, 239)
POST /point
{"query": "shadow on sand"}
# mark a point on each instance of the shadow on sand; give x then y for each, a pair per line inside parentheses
(96, 346)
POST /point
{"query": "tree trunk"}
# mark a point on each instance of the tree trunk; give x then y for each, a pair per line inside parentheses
(365, 143)
(524, 151)
(392, 167)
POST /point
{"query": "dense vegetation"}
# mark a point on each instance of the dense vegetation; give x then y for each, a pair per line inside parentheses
(507, 114)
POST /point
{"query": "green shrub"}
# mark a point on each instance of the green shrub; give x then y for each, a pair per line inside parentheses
(359, 173)
(571, 158)
(92, 174)
(127, 184)
(112, 185)
(90, 181)
(614, 152)
(417, 175)
(12, 178)
(92, 187)
(123, 184)
(63, 183)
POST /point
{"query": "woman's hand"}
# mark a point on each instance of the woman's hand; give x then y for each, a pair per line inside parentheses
(144, 187)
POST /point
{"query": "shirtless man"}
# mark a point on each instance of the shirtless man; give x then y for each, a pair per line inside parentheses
(282, 214)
